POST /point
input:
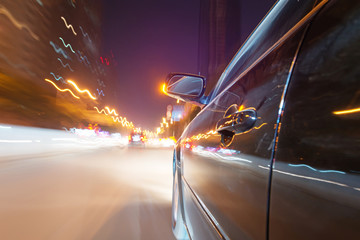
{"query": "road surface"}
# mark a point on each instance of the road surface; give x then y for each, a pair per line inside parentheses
(105, 193)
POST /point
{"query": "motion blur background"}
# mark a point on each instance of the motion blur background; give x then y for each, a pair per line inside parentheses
(116, 54)
(78, 79)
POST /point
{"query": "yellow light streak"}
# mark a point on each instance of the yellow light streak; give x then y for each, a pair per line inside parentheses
(112, 111)
(260, 126)
(102, 111)
(163, 88)
(81, 91)
(68, 26)
(62, 90)
(122, 120)
(347, 111)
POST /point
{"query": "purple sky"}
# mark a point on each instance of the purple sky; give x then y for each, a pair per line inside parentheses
(150, 39)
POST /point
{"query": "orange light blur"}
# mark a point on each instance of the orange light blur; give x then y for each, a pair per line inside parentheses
(81, 91)
(163, 87)
(347, 111)
(62, 90)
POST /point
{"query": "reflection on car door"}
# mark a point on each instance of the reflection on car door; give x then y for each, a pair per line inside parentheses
(230, 183)
(315, 191)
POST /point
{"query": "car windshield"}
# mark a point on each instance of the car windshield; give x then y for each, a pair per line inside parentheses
(275, 24)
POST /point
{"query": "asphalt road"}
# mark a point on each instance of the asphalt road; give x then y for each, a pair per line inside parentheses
(107, 193)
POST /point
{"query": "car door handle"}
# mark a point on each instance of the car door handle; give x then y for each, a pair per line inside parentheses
(237, 122)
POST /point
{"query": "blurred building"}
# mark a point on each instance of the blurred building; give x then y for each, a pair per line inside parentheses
(43, 44)
(223, 26)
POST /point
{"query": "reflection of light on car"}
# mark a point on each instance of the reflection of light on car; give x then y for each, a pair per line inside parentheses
(316, 170)
(349, 111)
(317, 179)
(221, 153)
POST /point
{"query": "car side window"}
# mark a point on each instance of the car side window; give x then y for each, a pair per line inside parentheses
(315, 187)
(283, 16)
(322, 110)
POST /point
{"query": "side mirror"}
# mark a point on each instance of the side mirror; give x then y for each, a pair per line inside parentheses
(186, 87)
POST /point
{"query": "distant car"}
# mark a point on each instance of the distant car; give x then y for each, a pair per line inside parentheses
(137, 139)
(275, 151)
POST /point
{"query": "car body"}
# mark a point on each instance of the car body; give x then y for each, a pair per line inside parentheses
(275, 151)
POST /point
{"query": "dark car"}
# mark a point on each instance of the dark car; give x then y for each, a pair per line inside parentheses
(275, 151)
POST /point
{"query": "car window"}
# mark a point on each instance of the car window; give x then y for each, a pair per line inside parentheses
(238, 171)
(317, 167)
(284, 15)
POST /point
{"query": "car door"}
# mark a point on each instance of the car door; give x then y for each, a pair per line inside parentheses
(225, 178)
(315, 191)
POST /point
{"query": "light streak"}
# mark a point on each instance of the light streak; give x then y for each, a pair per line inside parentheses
(86, 35)
(68, 26)
(81, 58)
(100, 92)
(72, 3)
(349, 111)
(66, 45)
(163, 88)
(57, 78)
(59, 50)
(62, 90)
(15, 141)
(39, 2)
(316, 179)
(17, 24)
(112, 111)
(260, 126)
(122, 120)
(19, 66)
(316, 170)
(211, 132)
(101, 83)
(81, 91)
(66, 65)
(102, 111)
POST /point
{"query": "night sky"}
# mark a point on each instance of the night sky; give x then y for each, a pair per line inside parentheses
(149, 39)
